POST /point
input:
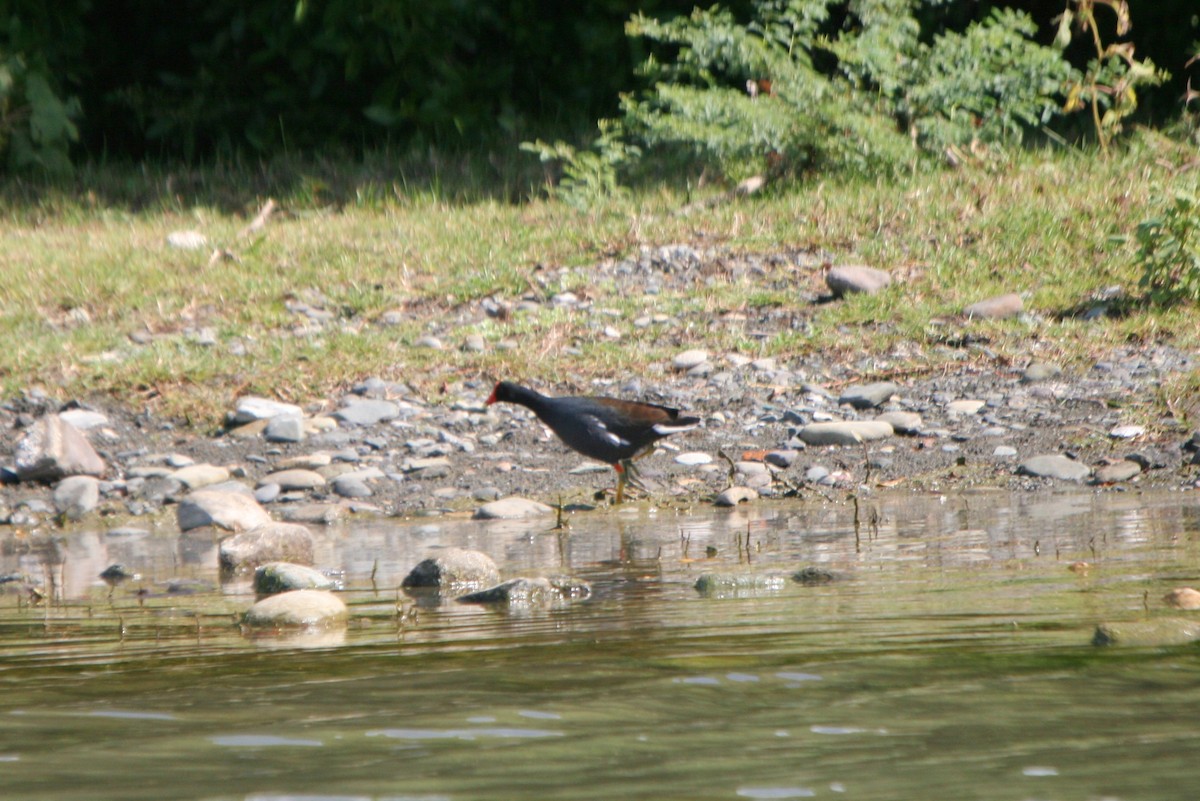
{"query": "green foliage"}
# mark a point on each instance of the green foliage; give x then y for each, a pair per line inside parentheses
(991, 83)
(588, 176)
(1169, 250)
(783, 94)
(36, 126)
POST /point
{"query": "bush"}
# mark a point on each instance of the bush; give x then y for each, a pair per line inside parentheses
(785, 94)
(1169, 251)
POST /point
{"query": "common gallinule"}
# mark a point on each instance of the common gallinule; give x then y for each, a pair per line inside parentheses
(609, 430)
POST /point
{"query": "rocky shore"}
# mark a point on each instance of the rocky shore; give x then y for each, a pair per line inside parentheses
(769, 430)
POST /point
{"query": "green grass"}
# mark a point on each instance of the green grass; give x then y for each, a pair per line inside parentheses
(93, 303)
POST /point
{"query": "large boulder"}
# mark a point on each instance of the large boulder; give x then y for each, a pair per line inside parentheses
(276, 577)
(53, 449)
(233, 511)
(298, 609)
(454, 570)
(271, 542)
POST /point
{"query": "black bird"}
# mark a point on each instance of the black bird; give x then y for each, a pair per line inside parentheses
(609, 430)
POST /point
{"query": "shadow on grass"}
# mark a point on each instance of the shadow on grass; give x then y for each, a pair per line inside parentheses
(499, 172)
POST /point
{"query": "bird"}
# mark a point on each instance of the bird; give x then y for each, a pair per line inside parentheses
(609, 430)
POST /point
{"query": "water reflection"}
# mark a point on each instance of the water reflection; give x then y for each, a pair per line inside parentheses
(949, 660)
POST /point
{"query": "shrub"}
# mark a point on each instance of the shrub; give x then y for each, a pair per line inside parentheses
(1169, 251)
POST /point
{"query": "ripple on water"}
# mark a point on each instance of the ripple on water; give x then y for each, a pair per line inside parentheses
(775, 792)
(501, 732)
(263, 741)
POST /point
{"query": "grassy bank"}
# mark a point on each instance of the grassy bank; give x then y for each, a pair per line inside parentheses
(358, 265)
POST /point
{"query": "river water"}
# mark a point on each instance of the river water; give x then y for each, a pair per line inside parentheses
(952, 660)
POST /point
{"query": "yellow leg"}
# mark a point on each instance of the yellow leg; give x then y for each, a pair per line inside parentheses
(620, 483)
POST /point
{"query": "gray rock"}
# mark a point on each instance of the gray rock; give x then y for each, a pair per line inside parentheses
(782, 458)
(453, 570)
(233, 511)
(285, 428)
(83, 419)
(1116, 473)
(200, 475)
(868, 396)
(298, 609)
(996, 308)
(736, 585)
(1127, 432)
(903, 422)
(735, 495)
(267, 493)
(276, 577)
(1004, 451)
(250, 408)
(689, 359)
(75, 496)
(1054, 466)
(351, 486)
(1152, 633)
(367, 412)
(961, 408)
(316, 514)
(693, 458)
(429, 468)
(849, 432)
(1040, 371)
(270, 542)
(531, 592)
(53, 449)
(850, 278)
(295, 479)
(512, 508)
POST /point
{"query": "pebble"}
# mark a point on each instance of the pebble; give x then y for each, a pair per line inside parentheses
(512, 508)
(735, 495)
(1116, 473)
(294, 479)
(1127, 432)
(200, 475)
(964, 407)
(75, 496)
(903, 422)
(351, 486)
(1054, 466)
(367, 412)
(996, 308)
(1040, 371)
(689, 359)
(854, 278)
(285, 428)
(251, 408)
(850, 432)
(782, 458)
(693, 458)
(868, 396)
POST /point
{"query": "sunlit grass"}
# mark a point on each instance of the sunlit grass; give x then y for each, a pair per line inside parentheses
(92, 301)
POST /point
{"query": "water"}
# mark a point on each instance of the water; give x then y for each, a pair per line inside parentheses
(953, 662)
